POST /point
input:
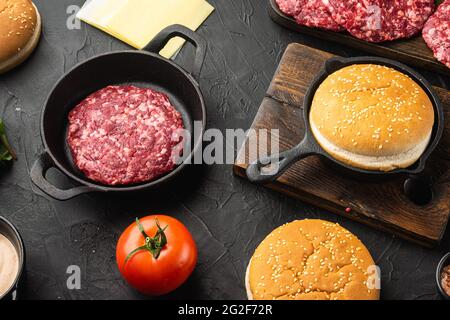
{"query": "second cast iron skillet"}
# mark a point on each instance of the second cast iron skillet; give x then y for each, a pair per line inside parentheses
(143, 68)
(262, 171)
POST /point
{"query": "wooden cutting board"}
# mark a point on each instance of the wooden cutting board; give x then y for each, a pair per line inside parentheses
(381, 204)
(412, 51)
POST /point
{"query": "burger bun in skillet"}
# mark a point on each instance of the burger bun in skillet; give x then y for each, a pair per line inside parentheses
(372, 117)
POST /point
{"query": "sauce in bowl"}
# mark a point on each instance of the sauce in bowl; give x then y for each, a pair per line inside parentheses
(9, 264)
(445, 279)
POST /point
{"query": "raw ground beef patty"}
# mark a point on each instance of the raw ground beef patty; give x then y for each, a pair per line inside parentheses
(288, 7)
(124, 135)
(311, 13)
(369, 20)
(382, 20)
(436, 33)
(316, 13)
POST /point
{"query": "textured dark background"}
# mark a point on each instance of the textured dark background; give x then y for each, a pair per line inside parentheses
(227, 216)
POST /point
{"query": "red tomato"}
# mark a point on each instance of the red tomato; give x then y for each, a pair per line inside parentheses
(164, 269)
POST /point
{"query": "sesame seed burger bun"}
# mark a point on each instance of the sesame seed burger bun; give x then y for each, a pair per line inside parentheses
(372, 117)
(311, 260)
(20, 30)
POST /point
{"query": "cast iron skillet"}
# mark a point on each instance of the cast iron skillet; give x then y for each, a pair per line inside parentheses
(11, 233)
(259, 170)
(143, 68)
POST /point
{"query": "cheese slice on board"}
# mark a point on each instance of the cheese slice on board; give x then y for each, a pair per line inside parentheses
(136, 22)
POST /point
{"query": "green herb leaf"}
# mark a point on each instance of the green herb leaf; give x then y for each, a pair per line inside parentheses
(6, 152)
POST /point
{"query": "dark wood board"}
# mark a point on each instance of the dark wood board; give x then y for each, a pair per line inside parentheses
(381, 204)
(412, 51)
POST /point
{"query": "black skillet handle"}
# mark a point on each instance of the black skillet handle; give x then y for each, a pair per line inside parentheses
(177, 30)
(37, 174)
(268, 169)
(419, 188)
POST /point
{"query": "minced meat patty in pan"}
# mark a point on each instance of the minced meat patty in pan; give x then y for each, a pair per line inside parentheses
(123, 135)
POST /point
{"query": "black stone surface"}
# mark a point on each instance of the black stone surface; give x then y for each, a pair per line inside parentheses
(227, 215)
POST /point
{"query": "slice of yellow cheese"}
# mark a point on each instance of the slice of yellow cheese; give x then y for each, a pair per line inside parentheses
(136, 22)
